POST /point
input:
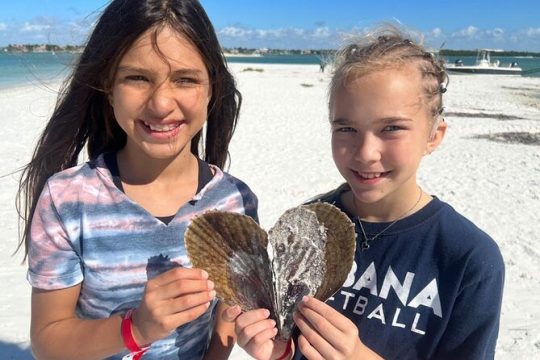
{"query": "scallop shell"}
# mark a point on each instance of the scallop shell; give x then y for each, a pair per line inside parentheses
(232, 249)
(309, 251)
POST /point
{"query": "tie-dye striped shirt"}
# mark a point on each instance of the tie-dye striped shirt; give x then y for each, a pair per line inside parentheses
(87, 231)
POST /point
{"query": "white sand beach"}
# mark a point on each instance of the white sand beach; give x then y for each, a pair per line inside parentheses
(282, 150)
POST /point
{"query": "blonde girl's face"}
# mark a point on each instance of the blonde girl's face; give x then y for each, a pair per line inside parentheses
(381, 129)
(160, 99)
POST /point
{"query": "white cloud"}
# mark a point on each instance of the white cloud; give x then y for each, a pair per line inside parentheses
(319, 37)
(299, 32)
(437, 32)
(241, 33)
(30, 27)
(321, 32)
(469, 32)
(233, 31)
(272, 33)
(496, 33)
(45, 29)
(533, 32)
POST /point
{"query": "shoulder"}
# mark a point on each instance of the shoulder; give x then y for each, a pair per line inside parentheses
(225, 182)
(236, 182)
(468, 242)
(79, 181)
(464, 232)
(86, 170)
(232, 192)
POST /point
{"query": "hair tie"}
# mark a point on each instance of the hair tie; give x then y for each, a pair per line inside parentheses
(442, 88)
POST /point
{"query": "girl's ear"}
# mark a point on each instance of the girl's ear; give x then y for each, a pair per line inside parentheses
(437, 135)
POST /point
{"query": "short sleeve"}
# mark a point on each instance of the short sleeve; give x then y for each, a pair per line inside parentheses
(250, 202)
(53, 263)
(251, 205)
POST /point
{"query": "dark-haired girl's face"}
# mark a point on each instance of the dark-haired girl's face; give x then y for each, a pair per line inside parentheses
(160, 98)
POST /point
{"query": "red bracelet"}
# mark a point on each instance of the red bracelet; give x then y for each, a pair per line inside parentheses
(127, 336)
(287, 351)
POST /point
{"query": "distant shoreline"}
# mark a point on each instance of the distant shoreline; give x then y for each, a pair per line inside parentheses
(239, 51)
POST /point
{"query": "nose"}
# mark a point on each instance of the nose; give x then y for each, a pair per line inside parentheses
(367, 148)
(162, 102)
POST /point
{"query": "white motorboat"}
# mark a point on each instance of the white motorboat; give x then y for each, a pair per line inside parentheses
(484, 65)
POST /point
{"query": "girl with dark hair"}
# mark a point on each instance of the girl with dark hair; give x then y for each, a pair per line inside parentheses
(149, 97)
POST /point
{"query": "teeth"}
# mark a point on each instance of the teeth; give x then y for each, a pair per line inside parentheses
(370, 175)
(161, 128)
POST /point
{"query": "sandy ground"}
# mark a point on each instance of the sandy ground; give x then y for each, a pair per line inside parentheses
(488, 168)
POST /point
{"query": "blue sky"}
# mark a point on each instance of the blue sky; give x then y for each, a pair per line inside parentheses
(460, 24)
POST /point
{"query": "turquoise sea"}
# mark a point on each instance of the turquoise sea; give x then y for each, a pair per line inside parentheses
(34, 68)
(31, 68)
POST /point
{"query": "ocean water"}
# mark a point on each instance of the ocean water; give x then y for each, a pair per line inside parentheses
(276, 59)
(37, 68)
(33, 68)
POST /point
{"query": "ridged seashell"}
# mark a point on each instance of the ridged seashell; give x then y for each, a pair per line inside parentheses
(309, 251)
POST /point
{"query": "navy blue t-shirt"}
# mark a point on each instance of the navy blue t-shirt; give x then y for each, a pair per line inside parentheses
(430, 287)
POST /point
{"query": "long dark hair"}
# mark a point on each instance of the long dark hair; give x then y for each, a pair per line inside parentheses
(83, 116)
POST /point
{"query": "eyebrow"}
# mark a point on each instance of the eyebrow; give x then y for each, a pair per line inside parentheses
(386, 120)
(128, 68)
(340, 121)
(392, 119)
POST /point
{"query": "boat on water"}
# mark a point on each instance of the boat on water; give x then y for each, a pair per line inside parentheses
(484, 65)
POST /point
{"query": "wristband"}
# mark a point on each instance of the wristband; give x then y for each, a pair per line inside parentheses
(287, 351)
(135, 350)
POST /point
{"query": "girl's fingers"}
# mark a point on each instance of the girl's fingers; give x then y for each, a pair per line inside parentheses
(326, 329)
(307, 350)
(313, 336)
(181, 287)
(251, 317)
(251, 323)
(325, 311)
(187, 302)
(175, 274)
(257, 334)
